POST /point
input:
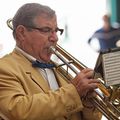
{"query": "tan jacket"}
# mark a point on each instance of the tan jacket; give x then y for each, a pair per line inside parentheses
(25, 95)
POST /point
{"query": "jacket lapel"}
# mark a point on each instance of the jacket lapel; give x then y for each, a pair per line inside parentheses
(59, 78)
(32, 72)
(39, 80)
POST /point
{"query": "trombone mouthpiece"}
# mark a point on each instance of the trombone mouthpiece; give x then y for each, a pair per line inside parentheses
(52, 48)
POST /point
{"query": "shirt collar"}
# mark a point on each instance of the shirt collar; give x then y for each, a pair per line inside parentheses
(29, 57)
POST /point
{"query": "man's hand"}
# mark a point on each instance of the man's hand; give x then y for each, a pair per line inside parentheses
(84, 82)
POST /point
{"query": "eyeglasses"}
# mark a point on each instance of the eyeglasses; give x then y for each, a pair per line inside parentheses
(47, 30)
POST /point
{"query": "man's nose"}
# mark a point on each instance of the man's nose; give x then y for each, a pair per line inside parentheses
(53, 37)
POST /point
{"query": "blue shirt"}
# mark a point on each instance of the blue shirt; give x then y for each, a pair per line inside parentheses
(107, 39)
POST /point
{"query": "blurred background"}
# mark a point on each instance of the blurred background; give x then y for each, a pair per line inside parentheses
(79, 18)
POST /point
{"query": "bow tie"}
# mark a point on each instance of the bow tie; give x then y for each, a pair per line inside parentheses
(42, 65)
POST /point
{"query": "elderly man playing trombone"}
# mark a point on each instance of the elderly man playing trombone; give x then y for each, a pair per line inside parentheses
(30, 86)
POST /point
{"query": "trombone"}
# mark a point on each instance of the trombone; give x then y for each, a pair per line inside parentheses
(109, 108)
(106, 99)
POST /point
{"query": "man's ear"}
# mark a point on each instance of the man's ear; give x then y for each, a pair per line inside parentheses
(20, 33)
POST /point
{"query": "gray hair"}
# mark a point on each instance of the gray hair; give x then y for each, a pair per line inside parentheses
(26, 14)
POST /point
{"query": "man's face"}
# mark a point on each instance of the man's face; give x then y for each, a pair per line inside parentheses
(38, 42)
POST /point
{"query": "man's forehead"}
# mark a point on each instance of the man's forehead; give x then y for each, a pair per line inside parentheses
(45, 20)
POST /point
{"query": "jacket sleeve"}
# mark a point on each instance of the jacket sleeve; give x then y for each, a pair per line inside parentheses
(90, 112)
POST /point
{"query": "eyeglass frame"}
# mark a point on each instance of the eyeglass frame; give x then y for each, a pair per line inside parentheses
(41, 29)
